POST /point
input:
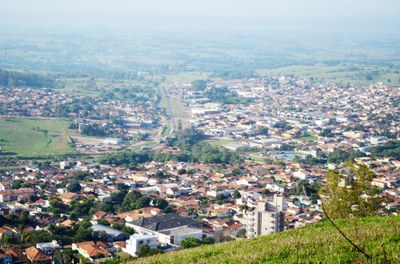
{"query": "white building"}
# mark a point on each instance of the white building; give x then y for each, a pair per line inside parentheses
(112, 141)
(169, 228)
(136, 240)
(49, 248)
(267, 218)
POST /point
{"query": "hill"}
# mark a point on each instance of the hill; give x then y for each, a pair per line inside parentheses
(318, 243)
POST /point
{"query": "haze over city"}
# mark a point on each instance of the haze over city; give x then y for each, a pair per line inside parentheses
(188, 131)
(314, 15)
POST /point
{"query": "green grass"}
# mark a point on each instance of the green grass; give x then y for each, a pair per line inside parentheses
(219, 142)
(165, 131)
(186, 77)
(27, 137)
(307, 138)
(318, 243)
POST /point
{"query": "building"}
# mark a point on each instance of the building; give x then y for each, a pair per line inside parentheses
(112, 141)
(267, 218)
(49, 248)
(136, 240)
(170, 228)
(112, 234)
(5, 258)
(37, 256)
(91, 250)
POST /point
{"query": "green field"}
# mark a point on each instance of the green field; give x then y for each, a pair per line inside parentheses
(219, 142)
(318, 243)
(28, 137)
(307, 138)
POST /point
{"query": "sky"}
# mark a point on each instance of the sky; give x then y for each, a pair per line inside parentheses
(203, 14)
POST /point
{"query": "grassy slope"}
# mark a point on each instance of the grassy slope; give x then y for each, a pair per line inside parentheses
(318, 243)
(21, 137)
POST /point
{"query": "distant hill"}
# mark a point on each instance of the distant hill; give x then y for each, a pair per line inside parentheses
(318, 243)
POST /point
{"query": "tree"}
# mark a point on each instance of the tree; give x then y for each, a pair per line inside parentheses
(236, 194)
(352, 194)
(241, 233)
(190, 242)
(208, 241)
(128, 230)
(160, 203)
(129, 200)
(199, 85)
(65, 256)
(74, 187)
(40, 236)
(145, 251)
(142, 202)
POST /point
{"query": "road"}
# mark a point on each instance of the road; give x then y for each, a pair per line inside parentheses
(163, 92)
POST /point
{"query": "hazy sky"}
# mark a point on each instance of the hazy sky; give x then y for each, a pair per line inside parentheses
(202, 14)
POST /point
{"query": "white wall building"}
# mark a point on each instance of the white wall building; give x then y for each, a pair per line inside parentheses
(267, 218)
(136, 240)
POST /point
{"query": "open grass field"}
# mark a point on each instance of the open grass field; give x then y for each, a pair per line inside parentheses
(34, 137)
(318, 243)
(307, 138)
(219, 142)
(186, 77)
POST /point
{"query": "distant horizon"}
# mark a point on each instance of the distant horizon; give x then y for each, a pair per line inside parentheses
(364, 16)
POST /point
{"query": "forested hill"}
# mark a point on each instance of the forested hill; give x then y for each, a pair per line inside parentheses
(12, 79)
(318, 243)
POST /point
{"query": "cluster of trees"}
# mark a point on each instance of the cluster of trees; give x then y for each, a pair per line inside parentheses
(225, 96)
(122, 200)
(192, 149)
(192, 242)
(234, 74)
(82, 107)
(94, 130)
(189, 142)
(12, 79)
(389, 149)
(139, 95)
(337, 156)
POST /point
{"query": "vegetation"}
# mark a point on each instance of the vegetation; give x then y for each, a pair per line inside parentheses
(350, 195)
(12, 79)
(225, 96)
(34, 137)
(188, 141)
(318, 243)
(389, 149)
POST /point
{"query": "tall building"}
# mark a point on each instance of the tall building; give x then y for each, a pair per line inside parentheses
(267, 218)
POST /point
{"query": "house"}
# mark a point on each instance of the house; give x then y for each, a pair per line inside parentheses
(8, 231)
(99, 215)
(91, 250)
(17, 256)
(5, 186)
(15, 194)
(136, 240)
(68, 198)
(112, 234)
(37, 256)
(49, 248)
